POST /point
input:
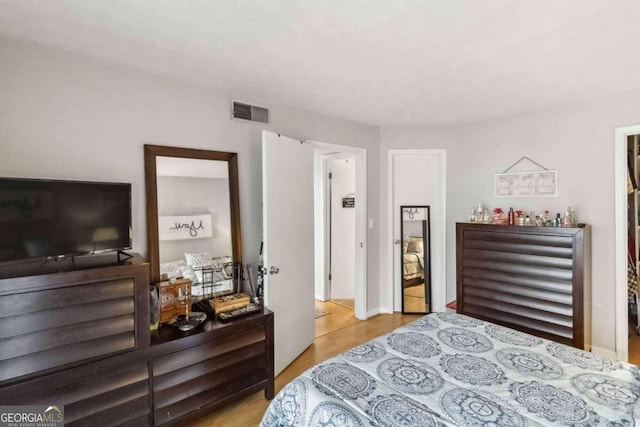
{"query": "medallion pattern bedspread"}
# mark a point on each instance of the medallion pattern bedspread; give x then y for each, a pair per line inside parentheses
(447, 369)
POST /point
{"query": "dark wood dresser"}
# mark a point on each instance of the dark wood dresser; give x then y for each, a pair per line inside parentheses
(80, 338)
(533, 279)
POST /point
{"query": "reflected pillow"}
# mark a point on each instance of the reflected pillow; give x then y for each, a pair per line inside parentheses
(414, 245)
(203, 259)
(196, 261)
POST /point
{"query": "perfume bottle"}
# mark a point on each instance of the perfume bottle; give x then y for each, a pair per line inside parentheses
(498, 216)
(568, 220)
(486, 216)
(479, 213)
(511, 218)
(557, 222)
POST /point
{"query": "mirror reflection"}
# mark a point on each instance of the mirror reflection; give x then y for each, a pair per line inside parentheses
(193, 217)
(194, 222)
(416, 264)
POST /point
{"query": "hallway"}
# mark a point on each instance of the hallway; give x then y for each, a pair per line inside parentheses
(339, 314)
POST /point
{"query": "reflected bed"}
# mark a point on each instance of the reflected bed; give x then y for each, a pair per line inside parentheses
(413, 261)
(448, 369)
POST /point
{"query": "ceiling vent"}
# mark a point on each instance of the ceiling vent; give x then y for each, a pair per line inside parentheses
(251, 113)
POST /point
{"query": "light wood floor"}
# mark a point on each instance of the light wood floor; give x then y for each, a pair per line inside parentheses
(333, 340)
(340, 315)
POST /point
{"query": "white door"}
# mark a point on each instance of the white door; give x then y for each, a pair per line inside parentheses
(287, 197)
(342, 228)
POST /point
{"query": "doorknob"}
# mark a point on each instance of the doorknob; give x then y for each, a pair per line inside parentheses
(274, 270)
(396, 241)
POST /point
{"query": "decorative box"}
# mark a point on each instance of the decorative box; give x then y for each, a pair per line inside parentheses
(230, 302)
(170, 293)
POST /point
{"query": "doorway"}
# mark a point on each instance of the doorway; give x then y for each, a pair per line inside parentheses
(340, 235)
(338, 302)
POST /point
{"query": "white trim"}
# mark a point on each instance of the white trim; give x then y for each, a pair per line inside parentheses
(361, 237)
(320, 215)
(360, 155)
(604, 352)
(439, 292)
(620, 193)
(373, 312)
(387, 300)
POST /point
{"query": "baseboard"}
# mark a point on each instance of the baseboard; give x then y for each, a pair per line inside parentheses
(372, 313)
(604, 352)
(384, 310)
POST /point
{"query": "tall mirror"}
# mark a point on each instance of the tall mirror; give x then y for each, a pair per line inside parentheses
(416, 259)
(193, 215)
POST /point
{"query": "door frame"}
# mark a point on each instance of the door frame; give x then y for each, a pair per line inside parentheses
(439, 267)
(621, 241)
(322, 150)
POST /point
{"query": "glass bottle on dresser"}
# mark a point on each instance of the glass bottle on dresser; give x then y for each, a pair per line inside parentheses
(568, 220)
(511, 217)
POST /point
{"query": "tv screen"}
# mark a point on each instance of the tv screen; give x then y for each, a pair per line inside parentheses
(50, 218)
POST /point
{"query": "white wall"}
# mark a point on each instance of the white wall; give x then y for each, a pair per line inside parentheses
(68, 117)
(577, 140)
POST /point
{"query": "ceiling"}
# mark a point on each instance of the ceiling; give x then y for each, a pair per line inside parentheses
(380, 62)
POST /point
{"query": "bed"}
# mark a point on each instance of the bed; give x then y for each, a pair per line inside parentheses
(448, 369)
(208, 274)
(413, 261)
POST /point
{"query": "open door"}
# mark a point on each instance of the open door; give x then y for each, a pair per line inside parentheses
(287, 198)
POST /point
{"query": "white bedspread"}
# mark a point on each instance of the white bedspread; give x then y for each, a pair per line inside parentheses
(448, 369)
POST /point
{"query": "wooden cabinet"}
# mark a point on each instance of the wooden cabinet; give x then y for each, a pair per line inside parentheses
(535, 279)
(61, 319)
(201, 372)
(114, 391)
(81, 339)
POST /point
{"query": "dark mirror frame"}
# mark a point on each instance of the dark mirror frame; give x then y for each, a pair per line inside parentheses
(426, 253)
(151, 152)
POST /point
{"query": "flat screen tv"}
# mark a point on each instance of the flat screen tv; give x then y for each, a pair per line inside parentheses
(55, 219)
